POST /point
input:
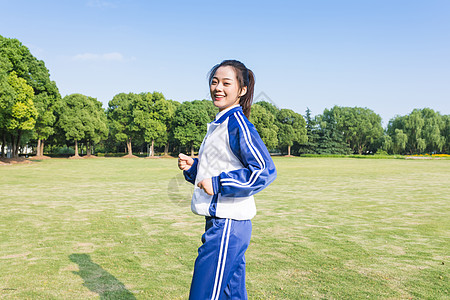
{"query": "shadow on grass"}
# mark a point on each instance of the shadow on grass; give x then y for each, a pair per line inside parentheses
(98, 280)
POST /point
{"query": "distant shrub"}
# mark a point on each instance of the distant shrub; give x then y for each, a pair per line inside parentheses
(64, 151)
(381, 152)
(379, 156)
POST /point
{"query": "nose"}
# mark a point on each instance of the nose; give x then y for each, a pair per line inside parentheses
(218, 87)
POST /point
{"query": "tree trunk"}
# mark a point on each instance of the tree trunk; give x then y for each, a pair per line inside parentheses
(16, 146)
(289, 150)
(130, 150)
(76, 148)
(192, 150)
(13, 146)
(3, 145)
(166, 149)
(38, 148)
(42, 147)
(88, 148)
(152, 148)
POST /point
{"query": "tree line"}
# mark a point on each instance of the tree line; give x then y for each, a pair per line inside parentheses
(32, 112)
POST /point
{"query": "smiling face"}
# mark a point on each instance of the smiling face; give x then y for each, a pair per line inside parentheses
(225, 89)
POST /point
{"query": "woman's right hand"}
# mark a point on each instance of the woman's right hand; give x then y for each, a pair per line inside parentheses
(185, 162)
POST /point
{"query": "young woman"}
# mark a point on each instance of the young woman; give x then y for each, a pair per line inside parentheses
(233, 164)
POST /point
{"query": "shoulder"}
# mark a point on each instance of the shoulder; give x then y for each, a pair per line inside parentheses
(238, 121)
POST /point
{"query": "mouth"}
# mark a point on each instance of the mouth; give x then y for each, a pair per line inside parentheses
(219, 97)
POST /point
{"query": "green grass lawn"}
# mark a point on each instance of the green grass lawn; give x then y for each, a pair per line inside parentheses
(331, 228)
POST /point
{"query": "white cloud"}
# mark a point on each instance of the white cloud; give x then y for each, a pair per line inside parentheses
(113, 56)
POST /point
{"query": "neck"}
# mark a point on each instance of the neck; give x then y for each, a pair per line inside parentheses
(225, 108)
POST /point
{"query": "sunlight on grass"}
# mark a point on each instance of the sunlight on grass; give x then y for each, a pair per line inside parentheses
(326, 228)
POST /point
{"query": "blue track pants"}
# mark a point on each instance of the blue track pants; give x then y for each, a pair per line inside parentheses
(219, 271)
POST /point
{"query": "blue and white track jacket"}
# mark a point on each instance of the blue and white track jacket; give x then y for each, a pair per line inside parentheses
(235, 157)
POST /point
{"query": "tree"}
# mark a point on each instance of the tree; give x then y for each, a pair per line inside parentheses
(189, 124)
(154, 116)
(82, 118)
(6, 102)
(210, 108)
(17, 111)
(330, 139)
(399, 141)
(155, 130)
(96, 125)
(387, 144)
(433, 126)
(413, 127)
(361, 127)
(16, 57)
(446, 133)
(292, 128)
(121, 116)
(149, 120)
(169, 110)
(264, 122)
(164, 112)
(269, 107)
(312, 135)
(425, 130)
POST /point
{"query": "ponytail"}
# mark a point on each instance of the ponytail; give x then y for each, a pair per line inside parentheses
(246, 101)
(245, 77)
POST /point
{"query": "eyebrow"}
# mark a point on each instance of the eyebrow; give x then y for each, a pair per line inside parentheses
(226, 78)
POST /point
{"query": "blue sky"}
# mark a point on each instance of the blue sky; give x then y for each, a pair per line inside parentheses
(389, 56)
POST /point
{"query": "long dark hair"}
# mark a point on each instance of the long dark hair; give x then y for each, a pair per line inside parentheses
(245, 78)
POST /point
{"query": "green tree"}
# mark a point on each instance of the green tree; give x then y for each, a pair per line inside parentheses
(433, 126)
(292, 128)
(399, 141)
(148, 119)
(312, 134)
(395, 124)
(264, 122)
(16, 57)
(96, 125)
(387, 144)
(17, 111)
(165, 112)
(361, 127)
(446, 133)
(168, 110)
(6, 103)
(82, 118)
(210, 108)
(121, 113)
(330, 139)
(189, 124)
(154, 116)
(425, 130)
(413, 126)
(269, 107)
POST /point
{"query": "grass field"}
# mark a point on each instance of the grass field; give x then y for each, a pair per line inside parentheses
(331, 228)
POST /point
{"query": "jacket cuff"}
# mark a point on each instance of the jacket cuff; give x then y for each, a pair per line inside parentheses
(191, 173)
(216, 184)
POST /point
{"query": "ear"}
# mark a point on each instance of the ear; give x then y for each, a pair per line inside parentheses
(243, 91)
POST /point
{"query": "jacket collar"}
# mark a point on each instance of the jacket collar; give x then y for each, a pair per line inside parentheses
(224, 114)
